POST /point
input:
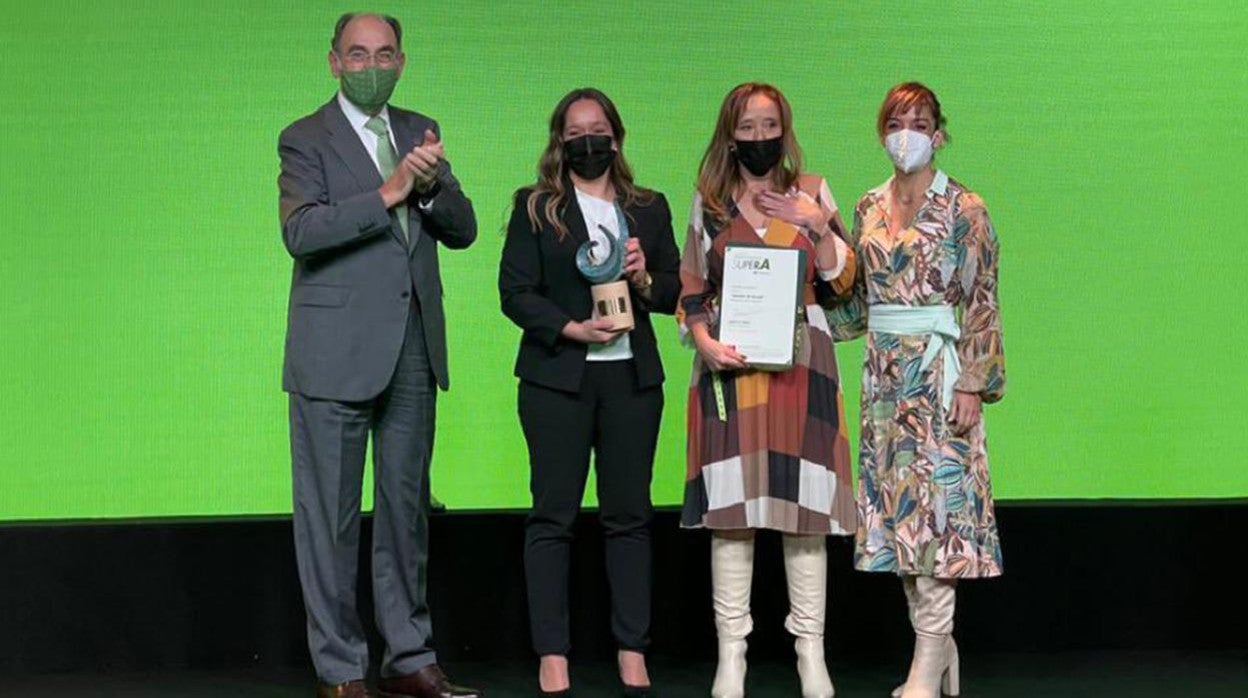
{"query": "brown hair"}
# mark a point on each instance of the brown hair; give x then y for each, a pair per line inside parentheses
(552, 175)
(904, 97)
(718, 175)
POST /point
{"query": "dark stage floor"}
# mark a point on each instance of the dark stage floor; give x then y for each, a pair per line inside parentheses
(1097, 675)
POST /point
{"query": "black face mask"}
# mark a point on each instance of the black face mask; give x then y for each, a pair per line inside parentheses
(589, 156)
(760, 156)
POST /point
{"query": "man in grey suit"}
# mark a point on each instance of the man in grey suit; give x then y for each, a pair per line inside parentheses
(366, 197)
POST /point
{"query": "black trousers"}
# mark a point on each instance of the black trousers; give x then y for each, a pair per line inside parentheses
(619, 423)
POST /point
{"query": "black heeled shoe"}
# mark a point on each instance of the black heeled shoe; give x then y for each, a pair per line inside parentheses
(638, 692)
(564, 693)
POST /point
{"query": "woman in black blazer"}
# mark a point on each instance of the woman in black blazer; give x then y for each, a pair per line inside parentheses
(583, 387)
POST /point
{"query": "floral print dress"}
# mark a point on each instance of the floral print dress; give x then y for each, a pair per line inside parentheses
(924, 497)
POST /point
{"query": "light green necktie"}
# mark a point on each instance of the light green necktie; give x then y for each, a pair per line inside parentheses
(387, 160)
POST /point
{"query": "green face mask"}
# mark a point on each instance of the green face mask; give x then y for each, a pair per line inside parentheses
(370, 88)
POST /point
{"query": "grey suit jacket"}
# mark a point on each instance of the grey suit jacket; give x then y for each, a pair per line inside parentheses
(350, 292)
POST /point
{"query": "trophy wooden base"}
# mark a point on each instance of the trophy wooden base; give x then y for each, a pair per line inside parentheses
(612, 301)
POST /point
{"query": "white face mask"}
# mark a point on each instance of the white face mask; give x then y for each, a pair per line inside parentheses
(909, 150)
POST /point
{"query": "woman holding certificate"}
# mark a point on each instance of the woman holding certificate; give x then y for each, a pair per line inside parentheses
(766, 448)
(926, 297)
(588, 256)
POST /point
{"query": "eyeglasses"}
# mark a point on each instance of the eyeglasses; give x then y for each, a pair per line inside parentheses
(359, 58)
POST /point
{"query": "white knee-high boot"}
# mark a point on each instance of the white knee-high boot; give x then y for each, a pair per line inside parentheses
(908, 586)
(935, 663)
(806, 567)
(732, 574)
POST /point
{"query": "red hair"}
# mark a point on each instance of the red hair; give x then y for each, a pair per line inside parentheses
(904, 97)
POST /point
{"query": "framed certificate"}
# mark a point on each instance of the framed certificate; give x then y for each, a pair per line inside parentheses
(759, 303)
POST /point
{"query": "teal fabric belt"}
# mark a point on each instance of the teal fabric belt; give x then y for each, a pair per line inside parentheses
(937, 321)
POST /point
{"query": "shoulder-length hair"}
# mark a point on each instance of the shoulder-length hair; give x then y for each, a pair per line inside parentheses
(904, 97)
(552, 173)
(719, 174)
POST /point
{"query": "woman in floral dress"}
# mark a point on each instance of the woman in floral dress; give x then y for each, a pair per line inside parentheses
(926, 297)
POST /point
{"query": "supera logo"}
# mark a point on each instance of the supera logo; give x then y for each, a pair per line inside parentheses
(752, 264)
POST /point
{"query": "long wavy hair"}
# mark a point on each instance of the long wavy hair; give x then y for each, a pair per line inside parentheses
(719, 174)
(552, 173)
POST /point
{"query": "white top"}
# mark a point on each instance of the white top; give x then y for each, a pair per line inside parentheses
(598, 212)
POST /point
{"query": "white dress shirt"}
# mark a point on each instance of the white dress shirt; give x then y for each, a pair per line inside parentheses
(357, 118)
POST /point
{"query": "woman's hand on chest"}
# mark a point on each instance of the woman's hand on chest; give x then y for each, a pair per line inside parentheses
(794, 208)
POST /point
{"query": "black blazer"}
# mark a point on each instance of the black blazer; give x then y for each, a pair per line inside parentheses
(542, 290)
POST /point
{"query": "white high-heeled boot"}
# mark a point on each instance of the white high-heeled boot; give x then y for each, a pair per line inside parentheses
(934, 666)
(732, 574)
(907, 585)
(806, 567)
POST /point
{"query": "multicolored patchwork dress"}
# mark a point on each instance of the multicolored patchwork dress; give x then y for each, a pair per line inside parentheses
(924, 497)
(779, 458)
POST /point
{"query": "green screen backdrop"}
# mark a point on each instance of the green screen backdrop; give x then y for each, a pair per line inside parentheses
(143, 282)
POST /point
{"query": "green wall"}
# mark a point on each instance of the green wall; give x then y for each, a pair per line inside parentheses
(143, 282)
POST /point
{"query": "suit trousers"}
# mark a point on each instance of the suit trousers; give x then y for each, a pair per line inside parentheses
(619, 423)
(328, 444)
